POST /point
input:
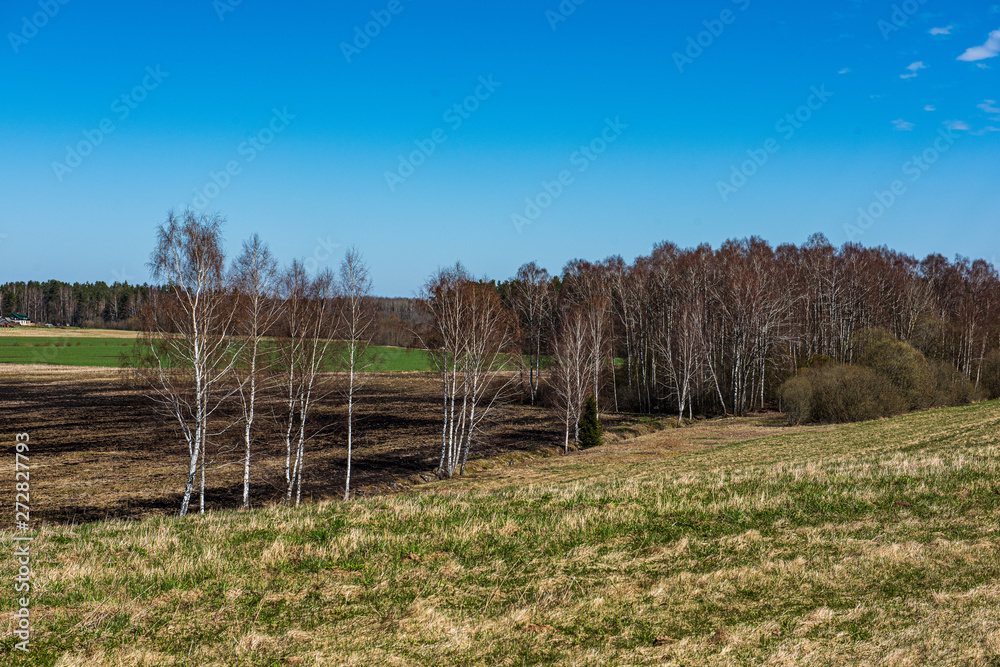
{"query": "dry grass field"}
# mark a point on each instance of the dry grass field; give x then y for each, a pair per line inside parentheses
(728, 542)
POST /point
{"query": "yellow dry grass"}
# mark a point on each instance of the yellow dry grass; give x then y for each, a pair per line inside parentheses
(873, 543)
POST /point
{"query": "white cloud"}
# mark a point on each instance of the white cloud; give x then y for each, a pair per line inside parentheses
(988, 50)
(957, 125)
(930, 107)
(914, 68)
(844, 71)
(988, 106)
(942, 31)
(904, 125)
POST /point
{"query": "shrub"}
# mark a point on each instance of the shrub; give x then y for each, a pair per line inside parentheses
(901, 363)
(796, 399)
(591, 434)
(852, 393)
(890, 377)
(835, 393)
(951, 387)
(990, 379)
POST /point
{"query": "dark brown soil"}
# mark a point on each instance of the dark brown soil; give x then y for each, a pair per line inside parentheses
(99, 449)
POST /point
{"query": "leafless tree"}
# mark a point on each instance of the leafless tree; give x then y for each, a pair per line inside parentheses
(474, 337)
(531, 297)
(255, 278)
(187, 337)
(306, 334)
(572, 368)
(358, 324)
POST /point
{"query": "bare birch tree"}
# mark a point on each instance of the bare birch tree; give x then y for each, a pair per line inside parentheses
(531, 296)
(306, 335)
(186, 343)
(255, 276)
(358, 323)
(572, 364)
(476, 334)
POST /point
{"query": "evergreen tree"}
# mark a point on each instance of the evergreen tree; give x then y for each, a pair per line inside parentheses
(591, 434)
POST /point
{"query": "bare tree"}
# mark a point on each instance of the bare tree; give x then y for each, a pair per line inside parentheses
(255, 275)
(306, 335)
(475, 336)
(186, 342)
(358, 323)
(572, 364)
(531, 296)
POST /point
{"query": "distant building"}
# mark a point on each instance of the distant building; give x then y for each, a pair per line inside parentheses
(20, 319)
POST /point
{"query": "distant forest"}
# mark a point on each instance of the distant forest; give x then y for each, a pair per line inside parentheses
(118, 306)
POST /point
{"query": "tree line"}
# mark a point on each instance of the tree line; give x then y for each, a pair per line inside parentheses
(95, 305)
(688, 332)
(98, 305)
(719, 331)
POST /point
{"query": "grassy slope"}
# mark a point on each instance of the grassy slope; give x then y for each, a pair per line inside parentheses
(857, 544)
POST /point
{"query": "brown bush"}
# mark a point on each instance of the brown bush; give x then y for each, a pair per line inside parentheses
(990, 379)
(890, 377)
(951, 387)
(835, 393)
(796, 399)
(901, 363)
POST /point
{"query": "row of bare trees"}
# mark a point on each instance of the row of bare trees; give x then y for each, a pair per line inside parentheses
(248, 333)
(678, 331)
(473, 344)
(718, 331)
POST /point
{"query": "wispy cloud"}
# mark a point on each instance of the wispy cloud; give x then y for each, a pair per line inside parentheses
(989, 106)
(903, 125)
(988, 50)
(930, 107)
(914, 68)
(942, 31)
(846, 70)
(957, 125)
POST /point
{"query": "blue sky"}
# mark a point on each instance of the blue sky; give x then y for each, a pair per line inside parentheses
(582, 130)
